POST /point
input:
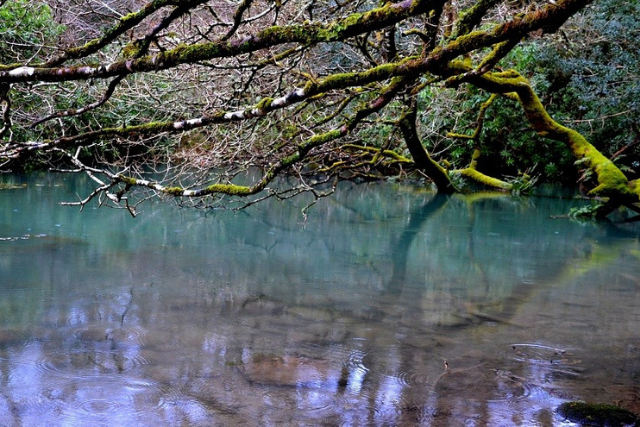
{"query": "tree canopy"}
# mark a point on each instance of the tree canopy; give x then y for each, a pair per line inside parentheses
(199, 100)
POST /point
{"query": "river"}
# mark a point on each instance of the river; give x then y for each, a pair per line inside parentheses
(387, 305)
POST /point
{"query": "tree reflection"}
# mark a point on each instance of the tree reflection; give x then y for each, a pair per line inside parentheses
(347, 318)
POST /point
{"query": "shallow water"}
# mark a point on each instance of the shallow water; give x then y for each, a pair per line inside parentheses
(387, 306)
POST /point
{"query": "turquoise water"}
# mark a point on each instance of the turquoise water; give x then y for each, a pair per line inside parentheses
(386, 306)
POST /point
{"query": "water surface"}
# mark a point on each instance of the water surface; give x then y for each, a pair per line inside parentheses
(386, 306)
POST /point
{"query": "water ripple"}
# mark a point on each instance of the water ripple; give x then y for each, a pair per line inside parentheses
(67, 361)
(10, 338)
(554, 360)
(537, 353)
(176, 400)
(89, 400)
(106, 397)
(478, 384)
(98, 406)
(117, 335)
(405, 378)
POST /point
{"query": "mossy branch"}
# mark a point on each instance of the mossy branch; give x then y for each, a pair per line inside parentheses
(481, 178)
(296, 157)
(306, 34)
(387, 153)
(123, 25)
(471, 17)
(314, 33)
(475, 136)
(422, 159)
(549, 16)
(471, 171)
(234, 189)
(612, 182)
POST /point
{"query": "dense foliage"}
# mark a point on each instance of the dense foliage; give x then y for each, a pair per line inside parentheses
(27, 30)
(586, 76)
(591, 78)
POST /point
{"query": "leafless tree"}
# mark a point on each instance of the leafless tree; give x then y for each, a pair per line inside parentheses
(197, 99)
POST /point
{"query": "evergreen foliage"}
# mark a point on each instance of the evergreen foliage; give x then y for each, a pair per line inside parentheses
(586, 76)
(27, 30)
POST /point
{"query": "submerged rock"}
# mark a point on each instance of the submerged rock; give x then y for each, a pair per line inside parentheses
(261, 305)
(313, 314)
(10, 337)
(289, 370)
(93, 334)
(597, 414)
(443, 309)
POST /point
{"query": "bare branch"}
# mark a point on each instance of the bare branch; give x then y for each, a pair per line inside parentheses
(75, 112)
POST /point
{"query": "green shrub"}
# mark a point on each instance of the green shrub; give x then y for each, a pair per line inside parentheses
(586, 76)
(27, 30)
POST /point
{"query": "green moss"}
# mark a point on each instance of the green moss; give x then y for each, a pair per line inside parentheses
(90, 46)
(612, 182)
(597, 414)
(230, 189)
(344, 80)
(351, 20)
(192, 53)
(174, 191)
(128, 180)
(634, 186)
(484, 179)
(264, 104)
(469, 18)
(305, 33)
(289, 131)
(355, 23)
(128, 17)
(131, 50)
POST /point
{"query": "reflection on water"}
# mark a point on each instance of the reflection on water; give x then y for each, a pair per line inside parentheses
(388, 306)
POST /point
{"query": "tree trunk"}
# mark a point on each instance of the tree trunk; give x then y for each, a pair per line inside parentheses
(423, 161)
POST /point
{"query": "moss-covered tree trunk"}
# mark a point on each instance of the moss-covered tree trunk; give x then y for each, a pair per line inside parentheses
(612, 182)
(423, 161)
